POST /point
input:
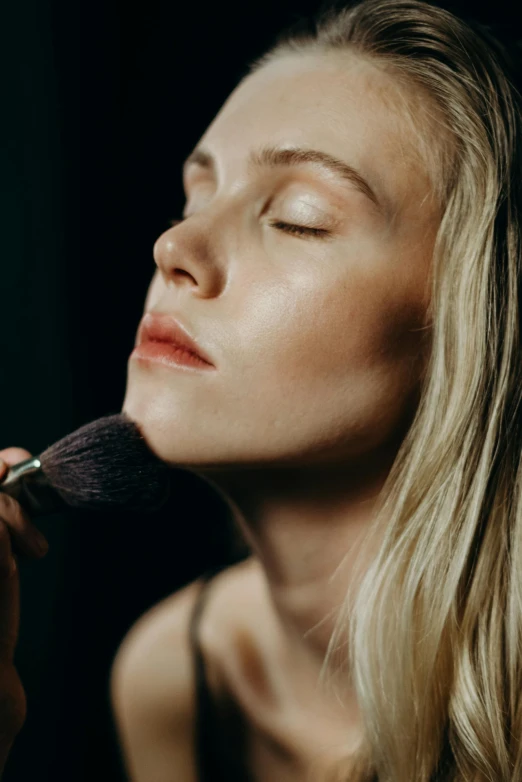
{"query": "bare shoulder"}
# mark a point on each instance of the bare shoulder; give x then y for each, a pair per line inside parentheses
(151, 691)
(152, 683)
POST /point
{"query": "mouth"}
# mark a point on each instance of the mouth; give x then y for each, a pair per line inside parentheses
(160, 328)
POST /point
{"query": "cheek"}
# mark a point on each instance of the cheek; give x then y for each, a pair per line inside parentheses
(349, 327)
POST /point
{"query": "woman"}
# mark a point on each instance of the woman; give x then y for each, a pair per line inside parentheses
(349, 263)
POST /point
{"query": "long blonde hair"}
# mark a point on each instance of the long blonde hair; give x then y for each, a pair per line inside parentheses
(434, 632)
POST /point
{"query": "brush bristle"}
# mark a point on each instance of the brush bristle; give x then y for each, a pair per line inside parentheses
(105, 464)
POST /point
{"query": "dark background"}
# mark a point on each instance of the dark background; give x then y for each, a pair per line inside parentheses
(100, 104)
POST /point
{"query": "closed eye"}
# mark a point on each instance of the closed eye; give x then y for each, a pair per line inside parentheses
(300, 230)
(297, 230)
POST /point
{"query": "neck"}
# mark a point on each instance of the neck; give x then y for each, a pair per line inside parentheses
(304, 525)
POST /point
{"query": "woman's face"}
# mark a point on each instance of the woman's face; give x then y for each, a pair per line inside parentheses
(316, 339)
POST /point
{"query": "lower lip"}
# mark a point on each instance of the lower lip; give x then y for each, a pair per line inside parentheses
(168, 354)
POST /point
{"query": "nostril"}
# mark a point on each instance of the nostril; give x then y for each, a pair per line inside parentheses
(183, 273)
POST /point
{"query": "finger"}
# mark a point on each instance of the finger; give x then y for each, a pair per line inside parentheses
(10, 456)
(14, 455)
(27, 537)
(9, 597)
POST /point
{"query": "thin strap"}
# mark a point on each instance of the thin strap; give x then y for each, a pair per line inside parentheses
(208, 748)
(219, 727)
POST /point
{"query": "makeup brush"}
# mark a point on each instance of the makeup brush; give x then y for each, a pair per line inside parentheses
(102, 465)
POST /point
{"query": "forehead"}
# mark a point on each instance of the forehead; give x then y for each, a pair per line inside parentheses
(336, 102)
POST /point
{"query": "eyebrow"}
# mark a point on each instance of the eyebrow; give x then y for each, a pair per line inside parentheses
(269, 156)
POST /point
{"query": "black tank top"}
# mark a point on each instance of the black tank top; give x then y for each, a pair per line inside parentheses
(219, 740)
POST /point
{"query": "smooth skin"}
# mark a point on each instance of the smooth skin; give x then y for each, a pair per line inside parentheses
(319, 346)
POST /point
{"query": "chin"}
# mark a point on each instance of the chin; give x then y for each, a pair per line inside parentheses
(157, 426)
(170, 433)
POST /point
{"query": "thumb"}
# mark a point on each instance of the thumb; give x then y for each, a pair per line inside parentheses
(13, 455)
(10, 456)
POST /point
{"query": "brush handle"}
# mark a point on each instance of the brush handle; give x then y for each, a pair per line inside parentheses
(27, 483)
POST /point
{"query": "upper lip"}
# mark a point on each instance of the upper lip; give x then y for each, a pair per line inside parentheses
(160, 327)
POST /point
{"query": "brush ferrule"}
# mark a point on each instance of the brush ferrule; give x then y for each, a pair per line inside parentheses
(25, 477)
(27, 467)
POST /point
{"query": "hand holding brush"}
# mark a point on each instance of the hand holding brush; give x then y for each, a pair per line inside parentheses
(17, 534)
(104, 465)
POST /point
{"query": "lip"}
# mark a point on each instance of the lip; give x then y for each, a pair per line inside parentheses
(162, 330)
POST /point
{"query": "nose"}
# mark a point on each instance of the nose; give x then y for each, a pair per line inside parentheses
(190, 254)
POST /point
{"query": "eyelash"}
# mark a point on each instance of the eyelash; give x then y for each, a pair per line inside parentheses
(297, 230)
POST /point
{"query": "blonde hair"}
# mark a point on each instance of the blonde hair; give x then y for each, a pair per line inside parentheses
(434, 632)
